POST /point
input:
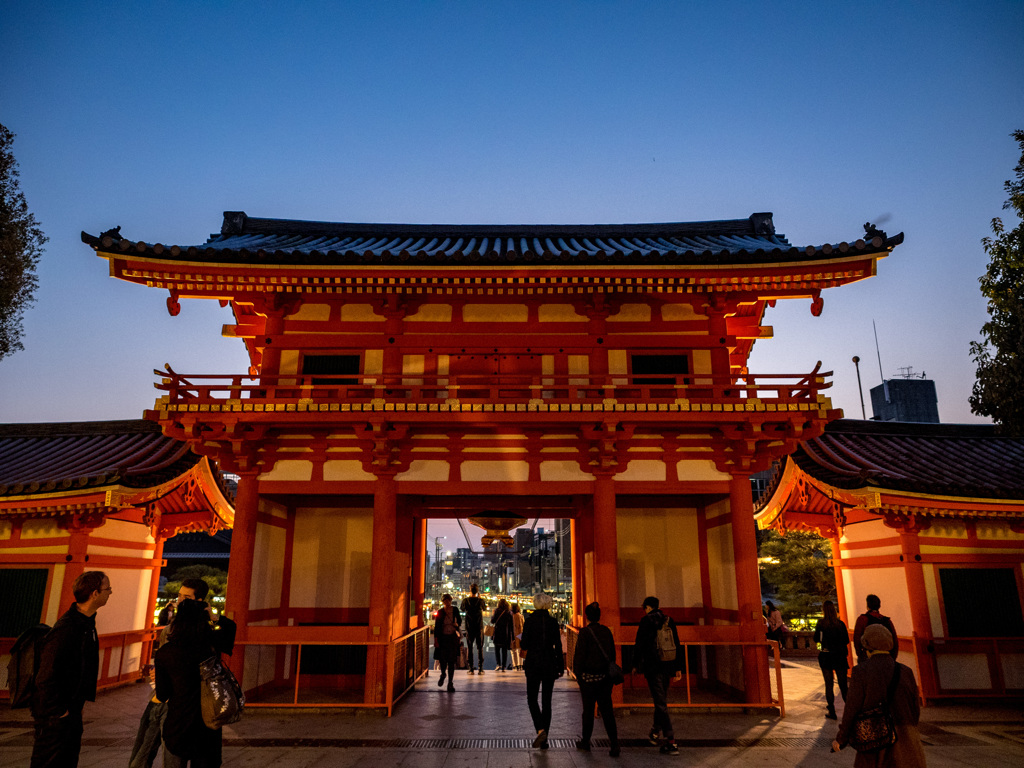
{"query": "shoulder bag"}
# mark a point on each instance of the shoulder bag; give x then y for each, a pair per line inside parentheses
(874, 729)
(221, 696)
(614, 670)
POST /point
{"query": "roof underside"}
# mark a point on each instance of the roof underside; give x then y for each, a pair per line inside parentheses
(245, 239)
(43, 458)
(939, 459)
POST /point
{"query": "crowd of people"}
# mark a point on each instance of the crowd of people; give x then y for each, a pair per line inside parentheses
(68, 662)
(68, 668)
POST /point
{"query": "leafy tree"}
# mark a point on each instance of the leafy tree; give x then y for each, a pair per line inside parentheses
(215, 577)
(795, 569)
(21, 243)
(1000, 354)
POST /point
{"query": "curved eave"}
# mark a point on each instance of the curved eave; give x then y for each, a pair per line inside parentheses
(716, 256)
(173, 495)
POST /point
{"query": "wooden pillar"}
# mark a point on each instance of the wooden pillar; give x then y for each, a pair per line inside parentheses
(78, 547)
(706, 596)
(381, 587)
(154, 571)
(748, 589)
(243, 548)
(606, 560)
(844, 611)
(921, 628)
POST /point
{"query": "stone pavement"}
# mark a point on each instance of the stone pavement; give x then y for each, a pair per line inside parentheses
(486, 723)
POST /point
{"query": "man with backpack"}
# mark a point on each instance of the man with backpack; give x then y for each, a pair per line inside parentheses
(656, 654)
(873, 616)
(69, 660)
(473, 609)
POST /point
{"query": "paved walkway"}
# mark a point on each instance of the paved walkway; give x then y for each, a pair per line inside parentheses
(486, 723)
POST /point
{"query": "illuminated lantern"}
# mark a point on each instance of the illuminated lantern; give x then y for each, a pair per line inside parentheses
(497, 526)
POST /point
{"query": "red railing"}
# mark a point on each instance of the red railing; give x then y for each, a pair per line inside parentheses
(778, 390)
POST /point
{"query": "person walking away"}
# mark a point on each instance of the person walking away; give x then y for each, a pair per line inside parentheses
(541, 649)
(187, 739)
(517, 633)
(832, 638)
(869, 686)
(166, 615)
(656, 654)
(447, 639)
(147, 739)
(873, 616)
(501, 620)
(69, 662)
(473, 609)
(775, 622)
(595, 649)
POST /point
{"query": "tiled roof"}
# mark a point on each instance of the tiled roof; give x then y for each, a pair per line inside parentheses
(245, 239)
(44, 458)
(941, 459)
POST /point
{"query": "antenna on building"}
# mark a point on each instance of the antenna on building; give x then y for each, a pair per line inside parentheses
(860, 389)
(878, 352)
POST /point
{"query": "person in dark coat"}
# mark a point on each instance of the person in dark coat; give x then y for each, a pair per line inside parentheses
(595, 649)
(658, 672)
(69, 662)
(869, 686)
(873, 615)
(187, 740)
(447, 639)
(832, 639)
(541, 649)
(501, 619)
(473, 608)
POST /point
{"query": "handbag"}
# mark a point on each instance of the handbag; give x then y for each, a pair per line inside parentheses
(221, 697)
(489, 630)
(874, 729)
(615, 674)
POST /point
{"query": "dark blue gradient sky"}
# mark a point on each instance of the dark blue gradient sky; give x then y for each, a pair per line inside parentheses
(158, 116)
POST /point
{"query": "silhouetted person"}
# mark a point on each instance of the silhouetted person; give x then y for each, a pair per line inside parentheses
(873, 616)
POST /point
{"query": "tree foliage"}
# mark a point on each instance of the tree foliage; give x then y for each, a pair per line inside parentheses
(21, 243)
(214, 577)
(795, 571)
(999, 356)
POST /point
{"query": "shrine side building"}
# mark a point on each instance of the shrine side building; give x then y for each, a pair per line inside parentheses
(406, 372)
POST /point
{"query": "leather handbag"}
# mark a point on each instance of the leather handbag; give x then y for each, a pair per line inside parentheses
(874, 728)
(221, 697)
(615, 674)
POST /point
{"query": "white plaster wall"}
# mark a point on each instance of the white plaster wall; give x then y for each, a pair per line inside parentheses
(890, 584)
(127, 607)
(959, 671)
(267, 567)
(331, 554)
(659, 554)
(721, 560)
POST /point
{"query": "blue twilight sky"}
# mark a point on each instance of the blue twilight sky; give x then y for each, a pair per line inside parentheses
(158, 116)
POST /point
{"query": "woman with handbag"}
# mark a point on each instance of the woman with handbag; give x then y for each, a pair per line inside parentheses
(541, 646)
(595, 652)
(881, 682)
(447, 640)
(517, 632)
(501, 621)
(832, 639)
(187, 740)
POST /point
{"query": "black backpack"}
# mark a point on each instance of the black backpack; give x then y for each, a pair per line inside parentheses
(24, 664)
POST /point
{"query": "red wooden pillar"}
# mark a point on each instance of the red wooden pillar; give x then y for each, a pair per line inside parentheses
(381, 587)
(78, 547)
(844, 612)
(921, 625)
(748, 589)
(606, 560)
(243, 548)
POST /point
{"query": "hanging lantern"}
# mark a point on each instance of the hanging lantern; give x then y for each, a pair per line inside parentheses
(497, 526)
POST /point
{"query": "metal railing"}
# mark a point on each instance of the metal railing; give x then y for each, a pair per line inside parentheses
(696, 663)
(246, 392)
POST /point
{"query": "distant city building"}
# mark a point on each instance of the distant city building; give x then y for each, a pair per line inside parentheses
(908, 398)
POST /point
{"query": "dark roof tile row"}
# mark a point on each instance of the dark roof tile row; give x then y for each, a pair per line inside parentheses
(44, 458)
(941, 459)
(245, 239)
